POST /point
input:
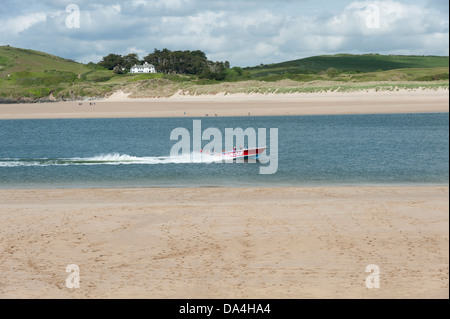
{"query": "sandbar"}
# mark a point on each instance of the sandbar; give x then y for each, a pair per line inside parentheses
(120, 105)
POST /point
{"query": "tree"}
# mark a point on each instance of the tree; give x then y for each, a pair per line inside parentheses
(130, 60)
(214, 71)
(332, 72)
(111, 60)
(178, 62)
(237, 70)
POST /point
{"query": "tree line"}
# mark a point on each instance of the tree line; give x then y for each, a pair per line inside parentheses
(171, 62)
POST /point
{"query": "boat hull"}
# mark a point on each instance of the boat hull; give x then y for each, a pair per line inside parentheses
(246, 154)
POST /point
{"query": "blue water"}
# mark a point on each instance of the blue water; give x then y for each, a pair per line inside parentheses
(383, 149)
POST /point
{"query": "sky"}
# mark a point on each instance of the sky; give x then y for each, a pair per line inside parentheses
(243, 32)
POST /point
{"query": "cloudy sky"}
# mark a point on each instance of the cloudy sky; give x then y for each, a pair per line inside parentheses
(244, 32)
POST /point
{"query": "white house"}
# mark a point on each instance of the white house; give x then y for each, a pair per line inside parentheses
(146, 68)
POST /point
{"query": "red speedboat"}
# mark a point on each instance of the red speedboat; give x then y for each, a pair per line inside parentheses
(245, 153)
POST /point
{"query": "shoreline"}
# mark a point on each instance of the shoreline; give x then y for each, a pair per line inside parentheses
(190, 187)
(292, 242)
(119, 105)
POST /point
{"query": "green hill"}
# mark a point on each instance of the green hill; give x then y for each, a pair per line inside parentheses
(33, 74)
(14, 60)
(350, 62)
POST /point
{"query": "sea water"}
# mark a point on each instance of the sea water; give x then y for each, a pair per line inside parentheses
(337, 150)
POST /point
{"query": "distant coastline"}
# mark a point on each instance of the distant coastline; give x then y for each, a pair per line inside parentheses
(28, 76)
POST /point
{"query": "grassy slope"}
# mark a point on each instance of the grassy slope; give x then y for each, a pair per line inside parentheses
(31, 75)
(16, 60)
(349, 62)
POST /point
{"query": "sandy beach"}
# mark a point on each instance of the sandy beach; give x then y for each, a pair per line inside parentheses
(121, 105)
(225, 243)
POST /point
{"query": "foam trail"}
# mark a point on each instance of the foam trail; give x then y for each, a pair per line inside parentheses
(103, 159)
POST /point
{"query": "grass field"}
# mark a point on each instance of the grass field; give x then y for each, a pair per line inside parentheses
(351, 62)
(27, 75)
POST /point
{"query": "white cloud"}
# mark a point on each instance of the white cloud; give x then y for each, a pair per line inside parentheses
(136, 3)
(18, 24)
(117, 7)
(242, 32)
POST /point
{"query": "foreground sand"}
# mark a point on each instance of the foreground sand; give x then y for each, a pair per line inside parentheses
(225, 242)
(119, 105)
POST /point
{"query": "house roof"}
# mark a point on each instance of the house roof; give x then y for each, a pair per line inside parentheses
(146, 65)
